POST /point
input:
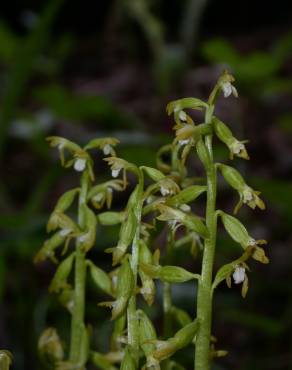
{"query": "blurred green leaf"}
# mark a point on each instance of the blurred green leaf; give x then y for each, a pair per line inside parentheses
(8, 43)
(265, 324)
(78, 108)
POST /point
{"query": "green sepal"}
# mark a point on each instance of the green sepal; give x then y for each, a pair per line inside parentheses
(111, 218)
(186, 195)
(147, 333)
(168, 274)
(100, 278)
(59, 280)
(185, 103)
(153, 173)
(128, 362)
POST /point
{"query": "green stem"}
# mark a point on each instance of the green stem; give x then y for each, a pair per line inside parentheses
(132, 322)
(204, 300)
(77, 322)
(167, 301)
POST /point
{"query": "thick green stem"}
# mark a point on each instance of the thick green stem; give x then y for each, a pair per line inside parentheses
(204, 299)
(77, 322)
(132, 322)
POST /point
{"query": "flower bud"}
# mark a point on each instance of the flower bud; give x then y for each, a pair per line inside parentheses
(125, 287)
(59, 281)
(203, 153)
(235, 229)
(50, 347)
(181, 339)
(185, 335)
(153, 173)
(147, 333)
(100, 278)
(128, 362)
(186, 195)
(127, 232)
(148, 287)
(168, 274)
(111, 218)
(232, 176)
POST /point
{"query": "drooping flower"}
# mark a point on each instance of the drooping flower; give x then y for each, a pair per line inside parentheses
(225, 83)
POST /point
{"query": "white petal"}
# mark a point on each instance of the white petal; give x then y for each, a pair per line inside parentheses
(82, 238)
(227, 89)
(65, 232)
(79, 164)
(182, 115)
(247, 195)
(239, 275)
(236, 147)
(107, 149)
(183, 142)
(252, 242)
(98, 197)
(185, 208)
(164, 191)
(234, 91)
(115, 173)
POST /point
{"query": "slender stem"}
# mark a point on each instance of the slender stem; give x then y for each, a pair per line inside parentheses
(77, 323)
(204, 300)
(167, 301)
(132, 322)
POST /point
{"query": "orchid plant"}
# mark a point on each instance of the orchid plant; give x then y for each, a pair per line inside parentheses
(161, 199)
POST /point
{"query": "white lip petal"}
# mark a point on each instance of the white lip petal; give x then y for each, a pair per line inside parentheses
(237, 147)
(239, 275)
(98, 197)
(227, 89)
(182, 115)
(164, 191)
(183, 142)
(107, 149)
(185, 208)
(116, 172)
(79, 164)
(65, 232)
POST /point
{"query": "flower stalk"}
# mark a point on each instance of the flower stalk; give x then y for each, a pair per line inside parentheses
(77, 321)
(204, 299)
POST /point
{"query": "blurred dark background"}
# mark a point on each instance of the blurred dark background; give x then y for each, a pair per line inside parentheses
(88, 69)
